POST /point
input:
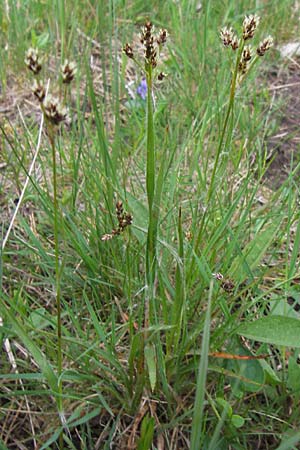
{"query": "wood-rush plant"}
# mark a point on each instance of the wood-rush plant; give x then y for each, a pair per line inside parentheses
(54, 114)
(245, 60)
(152, 44)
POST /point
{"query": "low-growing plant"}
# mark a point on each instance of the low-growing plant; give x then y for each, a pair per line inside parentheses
(169, 328)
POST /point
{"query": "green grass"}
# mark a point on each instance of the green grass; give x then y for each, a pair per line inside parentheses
(144, 317)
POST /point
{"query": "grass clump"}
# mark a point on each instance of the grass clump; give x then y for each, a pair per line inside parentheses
(144, 263)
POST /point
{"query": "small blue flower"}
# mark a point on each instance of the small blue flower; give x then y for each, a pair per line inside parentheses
(142, 89)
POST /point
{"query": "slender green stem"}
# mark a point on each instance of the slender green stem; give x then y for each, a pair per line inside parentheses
(150, 186)
(221, 142)
(57, 278)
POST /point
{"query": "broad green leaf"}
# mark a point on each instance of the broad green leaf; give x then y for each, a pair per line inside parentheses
(246, 369)
(289, 442)
(237, 421)
(271, 377)
(225, 405)
(277, 330)
(293, 381)
(150, 357)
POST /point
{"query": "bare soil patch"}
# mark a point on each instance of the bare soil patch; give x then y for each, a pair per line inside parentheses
(283, 146)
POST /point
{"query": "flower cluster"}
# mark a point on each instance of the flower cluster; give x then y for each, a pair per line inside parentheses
(32, 61)
(249, 26)
(124, 220)
(68, 71)
(52, 107)
(54, 111)
(229, 38)
(264, 46)
(245, 59)
(152, 44)
(147, 39)
(246, 54)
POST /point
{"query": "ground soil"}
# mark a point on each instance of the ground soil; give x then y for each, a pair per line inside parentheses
(283, 146)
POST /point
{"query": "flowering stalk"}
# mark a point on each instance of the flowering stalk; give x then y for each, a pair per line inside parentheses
(57, 269)
(54, 113)
(150, 185)
(243, 64)
(152, 44)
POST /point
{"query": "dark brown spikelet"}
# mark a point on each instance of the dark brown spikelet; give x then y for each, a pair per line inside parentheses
(161, 76)
(246, 57)
(32, 61)
(127, 49)
(124, 220)
(54, 111)
(68, 71)
(39, 90)
(264, 46)
(147, 39)
(249, 26)
(162, 37)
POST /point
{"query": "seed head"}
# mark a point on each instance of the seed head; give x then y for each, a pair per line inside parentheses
(246, 53)
(235, 42)
(127, 49)
(124, 220)
(264, 46)
(54, 111)
(226, 35)
(244, 62)
(39, 90)
(68, 71)
(32, 60)
(147, 39)
(162, 37)
(249, 26)
(161, 76)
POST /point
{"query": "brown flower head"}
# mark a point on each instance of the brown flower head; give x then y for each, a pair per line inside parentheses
(162, 37)
(39, 90)
(264, 46)
(249, 26)
(127, 49)
(54, 111)
(147, 39)
(161, 76)
(68, 71)
(32, 61)
(244, 62)
(226, 35)
(124, 220)
(235, 42)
